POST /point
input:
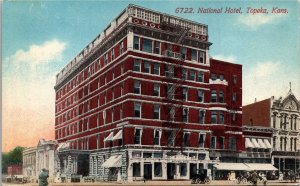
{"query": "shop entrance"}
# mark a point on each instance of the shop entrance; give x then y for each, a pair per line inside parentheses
(171, 170)
(193, 169)
(148, 171)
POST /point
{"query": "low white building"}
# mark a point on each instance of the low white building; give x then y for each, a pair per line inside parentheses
(39, 157)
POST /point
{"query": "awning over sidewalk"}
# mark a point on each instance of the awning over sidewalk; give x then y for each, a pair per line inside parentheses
(113, 161)
(248, 143)
(118, 136)
(231, 166)
(261, 166)
(261, 143)
(254, 142)
(268, 144)
(109, 137)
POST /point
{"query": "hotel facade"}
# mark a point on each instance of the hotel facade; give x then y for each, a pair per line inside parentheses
(144, 100)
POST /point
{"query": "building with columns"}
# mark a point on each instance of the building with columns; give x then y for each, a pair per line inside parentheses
(39, 157)
(143, 100)
(282, 116)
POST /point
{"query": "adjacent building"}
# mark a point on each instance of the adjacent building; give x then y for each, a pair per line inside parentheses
(29, 162)
(282, 116)
(39, 157)
(143, 100)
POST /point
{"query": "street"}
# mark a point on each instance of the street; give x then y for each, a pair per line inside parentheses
(223, 182)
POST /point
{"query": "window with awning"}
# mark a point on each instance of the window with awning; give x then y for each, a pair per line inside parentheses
(109, 137)
(113, 161)
(248, 143)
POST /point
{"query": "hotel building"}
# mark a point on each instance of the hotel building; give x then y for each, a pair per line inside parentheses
(144, 100)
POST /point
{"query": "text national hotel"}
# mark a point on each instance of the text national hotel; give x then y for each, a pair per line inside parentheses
(144, 99)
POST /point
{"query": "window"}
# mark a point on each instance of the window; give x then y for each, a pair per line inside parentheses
(182, 53)
(201, 116)
(274, 143)
(200, 76)
(184, 94)
(146, 67)
(213, 117)
(136, 169)
(291, 122)
(172, 113)
(170, 91)
(234, 79)
(201, 140)
(183, 169)
(221, 117)
(137, 136)
(147, 155)
(157, 169)
(147, 45)
(156, 69)
(157, 47)
(213, 76)
(281, 143)
(234, 96)
(221, 97)
(213, 96)
(192, 75)
(113, 54)
(169, 71)
(136, 43)
(137, 87)
(232, 143)
(122, 89)
(291, 144)
(157, 155)
(194, 55)
(213, 142)
(186, 139)
(156, 112)
(201, 57)
(156, 90)
(274, 120)
(121, 47)
(221, 142)
(295, 123)
(233, 116)
(184, 114)
(200, 95)
(221, 77)
(295, 144)
(105, 59)
(156, 137)
(184, 73)
(137, 65)
(137, 110)
(171, 138)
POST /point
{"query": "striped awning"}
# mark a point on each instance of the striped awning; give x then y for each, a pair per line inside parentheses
(248, 143)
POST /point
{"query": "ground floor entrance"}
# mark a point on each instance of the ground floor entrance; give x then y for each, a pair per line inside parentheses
(171, 171)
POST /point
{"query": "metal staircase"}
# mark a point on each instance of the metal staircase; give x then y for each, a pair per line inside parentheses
(174, 83)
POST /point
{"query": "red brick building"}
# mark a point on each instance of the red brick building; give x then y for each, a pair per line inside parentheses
(144, 99)
(14, 170)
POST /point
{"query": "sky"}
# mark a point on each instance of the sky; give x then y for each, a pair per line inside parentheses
(40, 37)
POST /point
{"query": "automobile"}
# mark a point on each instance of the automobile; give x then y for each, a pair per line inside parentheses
(200, 177)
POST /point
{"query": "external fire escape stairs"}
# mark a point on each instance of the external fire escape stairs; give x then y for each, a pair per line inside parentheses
(174, 83)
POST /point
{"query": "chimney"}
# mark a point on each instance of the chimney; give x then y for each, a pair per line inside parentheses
(255, 100)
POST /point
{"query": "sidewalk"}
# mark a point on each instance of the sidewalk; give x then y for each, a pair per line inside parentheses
(214, 182)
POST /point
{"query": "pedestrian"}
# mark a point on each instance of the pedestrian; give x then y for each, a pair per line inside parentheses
(43, 177)
(254, 178)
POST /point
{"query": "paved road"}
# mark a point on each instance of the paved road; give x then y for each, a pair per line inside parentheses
(152, 183)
